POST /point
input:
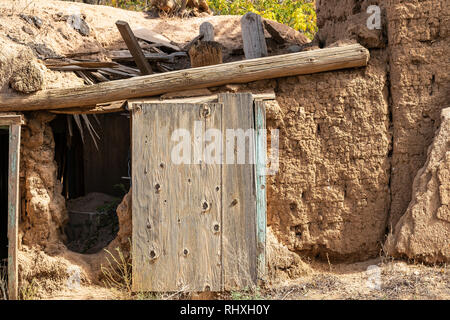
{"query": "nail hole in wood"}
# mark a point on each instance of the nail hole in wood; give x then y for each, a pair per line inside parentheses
(234, 202)
(185, 252)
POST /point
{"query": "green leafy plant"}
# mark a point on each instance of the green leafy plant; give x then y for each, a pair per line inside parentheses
(298, 14)
(247, 294)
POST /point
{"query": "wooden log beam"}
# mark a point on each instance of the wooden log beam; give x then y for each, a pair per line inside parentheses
(234, 72)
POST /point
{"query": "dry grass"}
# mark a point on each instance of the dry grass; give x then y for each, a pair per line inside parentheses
(398, 281)
(117, 273)
(3, 281)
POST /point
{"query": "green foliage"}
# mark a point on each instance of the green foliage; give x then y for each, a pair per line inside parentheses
(247, 294)
(297, 14)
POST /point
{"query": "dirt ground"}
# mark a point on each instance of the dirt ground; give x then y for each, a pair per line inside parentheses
(398, 280)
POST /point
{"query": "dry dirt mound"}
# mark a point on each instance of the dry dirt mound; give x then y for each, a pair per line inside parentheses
(423, 233)
(52, 29)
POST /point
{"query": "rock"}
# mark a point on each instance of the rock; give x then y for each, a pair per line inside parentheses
(28, 30)
(423, 232)
(26, 18)
(77, 22)
(37, 22)
(29, 76)
(294, 48)
(282, 33)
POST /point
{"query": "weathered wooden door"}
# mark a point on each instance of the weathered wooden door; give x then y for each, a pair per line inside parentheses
(195, 214)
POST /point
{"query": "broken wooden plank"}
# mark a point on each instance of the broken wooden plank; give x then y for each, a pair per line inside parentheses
(285, 65)
(186, 94)
(98, 76)
(133, 46)
(74, 68)
(13, 210)
(270, 95)
(150, 36)
(125, 55)
(82, 64)
(83, 76)
(115, 72)
(253, 36)
(11, 119)
(116, 106)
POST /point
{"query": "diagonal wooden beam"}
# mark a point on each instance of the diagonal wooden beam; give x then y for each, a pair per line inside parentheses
(133, 47)
(292, 64)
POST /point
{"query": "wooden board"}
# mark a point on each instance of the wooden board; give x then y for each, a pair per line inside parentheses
(233, 72)
(151, 36)
(253, 38)
(133, 47)
(198, 226)
(260, 176)
(239, 199)
(175, 246)
(13, 209)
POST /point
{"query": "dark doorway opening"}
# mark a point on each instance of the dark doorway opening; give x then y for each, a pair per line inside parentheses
(4, 160)
(95, 176)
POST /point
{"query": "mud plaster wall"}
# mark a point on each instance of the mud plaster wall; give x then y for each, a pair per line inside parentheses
(43, 207)
(420, 87)
(331, 196)
(415, 35)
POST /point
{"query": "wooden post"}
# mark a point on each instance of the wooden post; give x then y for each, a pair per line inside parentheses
(207, 31)
(205, 53)
(13, 209)
(134, 48)
(253, 36)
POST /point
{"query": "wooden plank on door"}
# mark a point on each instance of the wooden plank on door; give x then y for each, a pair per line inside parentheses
(260, 168)
(176, 206)
(13, 209)
(239, 262)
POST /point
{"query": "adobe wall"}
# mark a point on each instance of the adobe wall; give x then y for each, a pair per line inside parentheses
(331, 194)
(418, 34)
